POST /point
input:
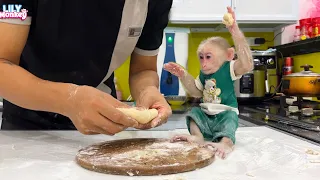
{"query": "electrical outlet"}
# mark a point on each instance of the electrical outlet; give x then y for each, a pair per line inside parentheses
(250, 41)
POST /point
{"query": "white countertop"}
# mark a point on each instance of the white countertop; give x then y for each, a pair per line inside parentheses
(261, 153)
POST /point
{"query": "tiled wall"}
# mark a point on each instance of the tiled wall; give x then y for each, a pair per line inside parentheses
(193, 63)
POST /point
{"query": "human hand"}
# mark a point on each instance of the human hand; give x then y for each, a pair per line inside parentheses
(151, 98)
(174, 69)
(94, 112)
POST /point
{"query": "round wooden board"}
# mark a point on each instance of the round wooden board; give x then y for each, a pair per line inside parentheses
(144, 157)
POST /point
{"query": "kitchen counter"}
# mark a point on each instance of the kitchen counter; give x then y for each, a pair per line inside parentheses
(260, 153)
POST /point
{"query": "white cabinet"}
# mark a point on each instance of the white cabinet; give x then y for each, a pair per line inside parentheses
(272, 12)
(198, 11)
(269, 11)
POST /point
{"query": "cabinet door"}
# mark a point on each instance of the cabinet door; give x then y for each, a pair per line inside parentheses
(198, 11)
(266, 10)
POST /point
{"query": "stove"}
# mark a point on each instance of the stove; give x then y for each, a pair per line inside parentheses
(301, 118)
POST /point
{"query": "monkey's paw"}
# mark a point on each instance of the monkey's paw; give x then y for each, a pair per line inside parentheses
(174, 69)
(188, 138)
(221, 149)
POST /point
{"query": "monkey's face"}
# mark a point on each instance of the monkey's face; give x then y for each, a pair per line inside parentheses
(212, 57)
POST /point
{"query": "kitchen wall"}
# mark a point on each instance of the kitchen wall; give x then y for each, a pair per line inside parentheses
(305, 11)
(306, 7)
(193, 63)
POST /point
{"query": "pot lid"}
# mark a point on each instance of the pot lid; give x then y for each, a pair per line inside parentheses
(305, 72)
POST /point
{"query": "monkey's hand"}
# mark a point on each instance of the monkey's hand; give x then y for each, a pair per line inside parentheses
(244, 62)
(187, 80)
(229, 19)
(188, 138)
(175, 69)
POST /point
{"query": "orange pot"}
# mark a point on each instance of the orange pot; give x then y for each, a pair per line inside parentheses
(305, 83)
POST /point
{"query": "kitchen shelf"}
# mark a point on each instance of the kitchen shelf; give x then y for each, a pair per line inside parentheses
(307, 46)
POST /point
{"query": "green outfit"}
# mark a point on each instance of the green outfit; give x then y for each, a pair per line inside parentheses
(224, 124)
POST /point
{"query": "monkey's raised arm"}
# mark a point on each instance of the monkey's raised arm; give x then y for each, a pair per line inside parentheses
(244, 63)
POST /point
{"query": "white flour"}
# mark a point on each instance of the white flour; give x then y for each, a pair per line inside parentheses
(152, 153)
(260, 153)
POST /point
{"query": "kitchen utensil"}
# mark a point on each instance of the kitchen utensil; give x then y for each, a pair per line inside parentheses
(176, 100)
(305, 83)
(252, 84)
(269, 59)
(144, 156)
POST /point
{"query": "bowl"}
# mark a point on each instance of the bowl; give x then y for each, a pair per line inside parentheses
(176, 100)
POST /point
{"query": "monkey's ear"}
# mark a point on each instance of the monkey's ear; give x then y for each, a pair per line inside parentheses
(230, 54)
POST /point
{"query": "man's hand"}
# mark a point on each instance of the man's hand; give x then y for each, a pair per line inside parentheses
(94, 112)
(144, 82)
(151, 98)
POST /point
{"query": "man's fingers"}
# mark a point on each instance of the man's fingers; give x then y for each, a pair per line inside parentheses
(117, 104)
(162, 117)
(114, 102)
(89, 130)
(144, 126)
(115, 115)
(106, 126)
(98, 130)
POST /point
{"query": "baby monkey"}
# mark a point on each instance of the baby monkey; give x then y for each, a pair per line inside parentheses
(215, 84)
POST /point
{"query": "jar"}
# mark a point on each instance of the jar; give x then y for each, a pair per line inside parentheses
(305, 28)
(288, 61)
(288, 66)
(287, 70)
(296, 36)
(316, 26)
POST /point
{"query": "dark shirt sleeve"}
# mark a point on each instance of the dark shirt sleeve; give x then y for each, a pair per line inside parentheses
(152, 33)
(26, 4)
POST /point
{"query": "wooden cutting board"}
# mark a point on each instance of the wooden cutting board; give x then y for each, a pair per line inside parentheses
(144, 156)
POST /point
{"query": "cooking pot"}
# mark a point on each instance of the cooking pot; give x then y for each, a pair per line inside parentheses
(305, 83)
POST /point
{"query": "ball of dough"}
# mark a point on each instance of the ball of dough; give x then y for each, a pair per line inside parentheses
(142, 116)
(228, 19)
